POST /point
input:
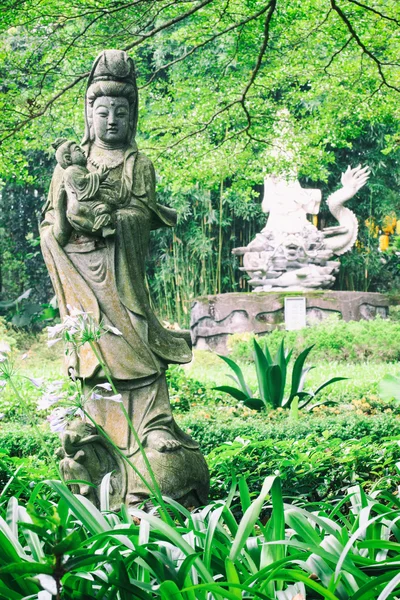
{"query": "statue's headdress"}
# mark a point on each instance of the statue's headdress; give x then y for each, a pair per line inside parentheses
(112, 74)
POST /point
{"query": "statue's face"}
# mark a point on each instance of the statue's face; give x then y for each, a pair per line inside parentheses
(111, 120)
(78, 156)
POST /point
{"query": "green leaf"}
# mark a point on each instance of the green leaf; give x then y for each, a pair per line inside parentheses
(234, 392)
(329, 382)
(232, 576)
(254, 403)
(25, 568)
(275, 385)
(82, 508)
(298, 371)
(262, 363)
(105, 493)
(389, 388)
(170, 591)
(389, 588)
(250, 518)
(238, 372)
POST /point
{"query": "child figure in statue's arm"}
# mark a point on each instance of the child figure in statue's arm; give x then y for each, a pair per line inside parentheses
(84, 212)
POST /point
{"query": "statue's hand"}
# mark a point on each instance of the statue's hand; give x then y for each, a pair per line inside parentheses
(354, 179)
(103, 172)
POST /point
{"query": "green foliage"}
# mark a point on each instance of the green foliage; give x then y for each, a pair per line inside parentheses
(21, 441)
(225, 426)
(312, 467)
(271, 378)
(185, 391)
(332, 339)
(63, 544)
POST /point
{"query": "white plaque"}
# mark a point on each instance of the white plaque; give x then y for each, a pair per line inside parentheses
(295, 313)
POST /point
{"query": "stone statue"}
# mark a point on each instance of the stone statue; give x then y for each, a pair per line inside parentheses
(84, 212)
(105, 276)
(290, 253)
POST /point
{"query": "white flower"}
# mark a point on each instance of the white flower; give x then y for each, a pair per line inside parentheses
(114, 398)
(60, 417)
(75, 312)
(113, 330)
(47, 400)
(54, 330)
(57, 420)
(105, 386)
(4, 348)
(51, 395)
(2, 383)
(52, 342)
(36, 382)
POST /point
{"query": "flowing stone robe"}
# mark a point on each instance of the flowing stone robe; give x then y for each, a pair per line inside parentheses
(106, 277)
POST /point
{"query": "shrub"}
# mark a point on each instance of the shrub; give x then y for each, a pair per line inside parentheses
(223, 425)
(333, 339)
(185, 391)
(314, 468)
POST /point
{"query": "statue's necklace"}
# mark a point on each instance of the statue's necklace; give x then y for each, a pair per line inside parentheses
(110, 164)
(101, 157)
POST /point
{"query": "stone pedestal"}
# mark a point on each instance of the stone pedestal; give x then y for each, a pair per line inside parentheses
(213, 318)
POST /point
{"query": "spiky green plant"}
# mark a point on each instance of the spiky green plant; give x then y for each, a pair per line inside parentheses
(272, 375)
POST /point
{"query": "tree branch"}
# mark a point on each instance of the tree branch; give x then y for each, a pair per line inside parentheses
(242, 98)
(357, 38)
(52, 100)
(202, 44)
(376, 12)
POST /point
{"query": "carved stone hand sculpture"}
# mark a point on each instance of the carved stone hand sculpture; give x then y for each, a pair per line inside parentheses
(105, 276)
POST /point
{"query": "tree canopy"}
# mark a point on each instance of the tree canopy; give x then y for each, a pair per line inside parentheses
(229, 90)
(213, 74)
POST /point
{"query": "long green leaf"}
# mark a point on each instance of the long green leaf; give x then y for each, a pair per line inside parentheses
(24, 568)
(238, 372)
(105, 493)
(297, 371)
(234, 392)
(329, 382)
(262, 364)
(250, 518)
(275, 384)
(212, 525)
(232, 577)
(390, 587)
(174, 537)
(31, 536)
(82, 508)
(170, 591)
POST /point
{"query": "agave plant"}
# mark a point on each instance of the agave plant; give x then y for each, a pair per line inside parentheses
(272, 375)
(61, 547)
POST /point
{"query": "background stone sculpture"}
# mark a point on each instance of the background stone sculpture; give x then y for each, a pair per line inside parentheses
(290, 253)
(104, 275)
